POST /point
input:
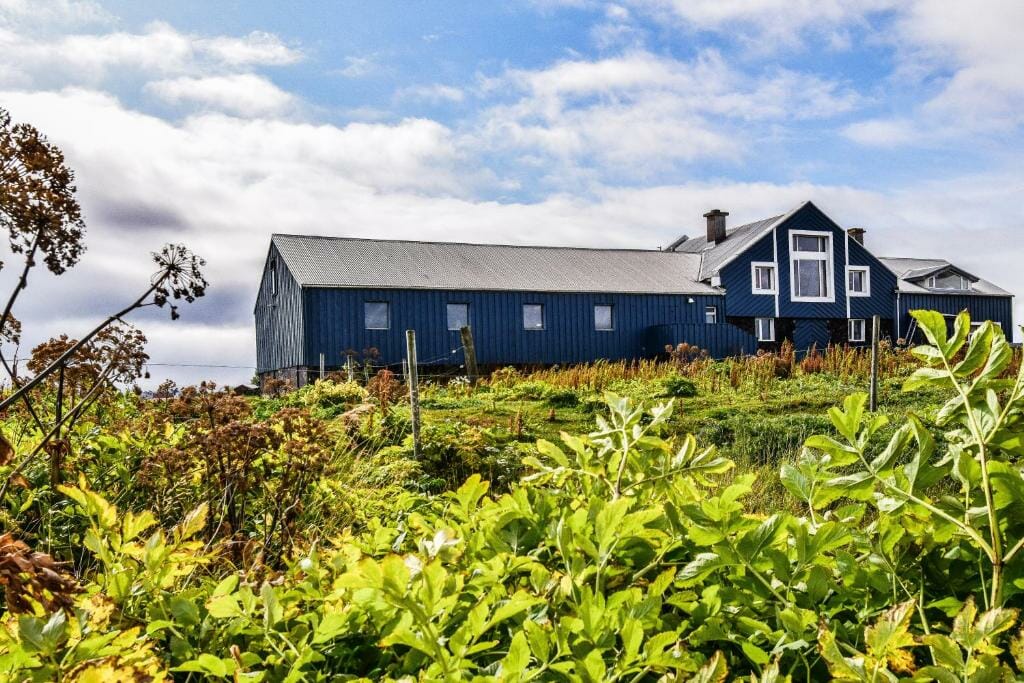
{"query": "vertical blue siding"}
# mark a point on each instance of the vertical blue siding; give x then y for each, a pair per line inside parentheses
(334, 323)
(720, 341)
(811, 218)
(995, 308)
(738, 283)
(278, 319)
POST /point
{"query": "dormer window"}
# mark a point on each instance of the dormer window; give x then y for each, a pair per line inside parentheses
(810, 255)
(949, 281)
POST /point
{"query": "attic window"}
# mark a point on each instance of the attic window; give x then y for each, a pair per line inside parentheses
(273, 277)
(949, 281)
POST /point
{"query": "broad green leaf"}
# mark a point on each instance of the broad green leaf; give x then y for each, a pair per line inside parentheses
(977, 352)
(518, 657)
(715, 671)
(933, 324)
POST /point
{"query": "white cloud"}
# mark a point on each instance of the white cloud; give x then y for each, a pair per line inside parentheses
(50, 15)
(882, 132)
(257, 48)
(640, 109)
(965, 60)
(432, 93)
(242, 94)
(158, 51)
(358, 67)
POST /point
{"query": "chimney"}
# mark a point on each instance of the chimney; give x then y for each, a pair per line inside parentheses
(857, 235)
(716, 225)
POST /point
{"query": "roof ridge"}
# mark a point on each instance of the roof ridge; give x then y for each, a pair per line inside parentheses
(472, 244)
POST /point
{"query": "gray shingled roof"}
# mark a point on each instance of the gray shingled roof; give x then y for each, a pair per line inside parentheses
(399, 264)
(911, 270)
(737, 240)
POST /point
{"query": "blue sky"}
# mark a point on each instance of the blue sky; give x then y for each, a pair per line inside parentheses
(534, 121)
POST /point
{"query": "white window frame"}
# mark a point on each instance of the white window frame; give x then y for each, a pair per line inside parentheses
(828, 256)
(387, 311)
(863, 330)
(771, 329)
(713, 312)
(774, 267)
(273, 277)
(965, 284)
(448, 319)
(611, 317)
(543, 318)
(867, 280)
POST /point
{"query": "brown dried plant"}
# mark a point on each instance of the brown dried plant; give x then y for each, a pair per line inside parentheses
(30, 578)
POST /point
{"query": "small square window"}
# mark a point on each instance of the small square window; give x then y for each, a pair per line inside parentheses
(711, 315)
(763, 275)
(765, 328)
(458, 316)
(858, 281)
(377, 315)
(858, 331)
(604, 319)
(533, 316)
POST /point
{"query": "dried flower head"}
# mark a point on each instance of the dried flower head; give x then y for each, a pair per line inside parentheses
(180, 276)
(37, 197)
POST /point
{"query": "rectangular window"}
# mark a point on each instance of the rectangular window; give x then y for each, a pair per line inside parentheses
(711, 315)
(765, 328)
(858, 331)
(273, 277)
(811, 258)
(858, 281)
(533, 316)
(763, 278)
(458, 316)
(604, 319)
(376, 315)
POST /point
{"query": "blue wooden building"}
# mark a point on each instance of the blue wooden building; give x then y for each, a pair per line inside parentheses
(796, 276)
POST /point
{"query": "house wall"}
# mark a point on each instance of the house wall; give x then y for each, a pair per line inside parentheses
(995, 308)
(334, 323)
(808, 323)
(278, 319)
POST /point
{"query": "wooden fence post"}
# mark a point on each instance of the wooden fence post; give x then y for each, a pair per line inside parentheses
(56, 450)
(414, 390)
(321, 366)
(349, 369)
(876, 323)
(469, 349)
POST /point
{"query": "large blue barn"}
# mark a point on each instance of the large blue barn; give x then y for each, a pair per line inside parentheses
(797, 276)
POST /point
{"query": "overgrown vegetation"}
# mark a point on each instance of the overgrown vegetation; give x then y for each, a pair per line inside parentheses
(746, 519)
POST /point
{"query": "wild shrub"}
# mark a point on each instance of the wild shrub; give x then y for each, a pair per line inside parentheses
(334, 396)
(675, 386)
(562, 398)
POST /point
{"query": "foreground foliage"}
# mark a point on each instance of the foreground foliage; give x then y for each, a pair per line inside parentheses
(628, 554)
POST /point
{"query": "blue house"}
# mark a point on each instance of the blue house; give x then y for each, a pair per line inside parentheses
(797, 276)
